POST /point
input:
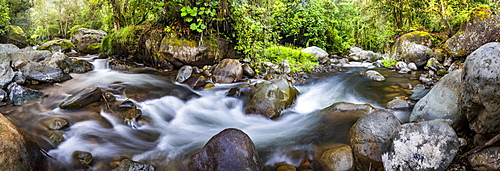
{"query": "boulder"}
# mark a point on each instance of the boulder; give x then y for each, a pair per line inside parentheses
(5, 51)
(482, 28)
(486, 159)
(17, 150)
(434, 65)
(15, 35)
(336, 157)
(20, 95)
(230, 149)
(3, 95)
(228, 71)
(186, 52)
(429, 145)
(81, 159)
(284, 67)
(480, 100)
(81, 66)
(269, 98)
(413, 47)
(29, 54)
(369, 138)
(184, 73)
(358, 54)
(87, 40)
(441, 102)
(129, 165)
(56, 123)
(59, 45)
(247, 70)
(412, 66)
(82, 98)
(398, 103)
(59, 60)
(38, 72)
(374, 75)
(348, 107)
(6, 75)
(316, 52)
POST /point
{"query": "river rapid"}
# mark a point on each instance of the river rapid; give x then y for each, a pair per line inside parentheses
(175, 128)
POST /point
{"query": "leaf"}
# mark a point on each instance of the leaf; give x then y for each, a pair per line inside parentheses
(199, 30)
(193, 26)
(203, 26)
(183, 14)
(188, 19)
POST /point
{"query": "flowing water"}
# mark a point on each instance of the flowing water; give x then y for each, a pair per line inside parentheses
(178, 127)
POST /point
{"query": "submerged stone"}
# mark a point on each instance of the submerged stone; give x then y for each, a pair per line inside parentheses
(82, 98)
(20, 95)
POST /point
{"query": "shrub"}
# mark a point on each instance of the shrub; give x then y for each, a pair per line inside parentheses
(298, 60)
(389, 62)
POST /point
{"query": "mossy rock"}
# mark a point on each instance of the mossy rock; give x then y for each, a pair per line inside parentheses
(16, 36)
(62, 45)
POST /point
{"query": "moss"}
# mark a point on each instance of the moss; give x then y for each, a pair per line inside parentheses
(481, 12)
(389, 62)
(65, 45)
(93, 47)
(16, 33)
(298, 60)
(123, 42)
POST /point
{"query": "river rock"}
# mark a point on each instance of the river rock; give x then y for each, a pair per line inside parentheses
(184, 73)
(247, 70)
(398, 103)
(316, 52)
(15, 35)
(38, 72)
(6, 75)
(87, 40)
(441, 102)
(20, 95)
(480, 100)
(82, 98)
(336, 157)
(348, 107)
(20, 78)
(81, 159)
(434, 65)
(287, 167)
(486, 159)
(269, 98)
(56, 123)
(358, 54)
(228, 71)
(81, 66)
(130, 165)
(5, 51)
(29, 54)
(413, 47)
(369, 138)
(3, 95)
(412, 66)
(185, 52)
(482, 28)
(59, 45)
(284, 67)
(18, 151)
(429, 145)
(374, 75)
(59, 60)
(230, 149)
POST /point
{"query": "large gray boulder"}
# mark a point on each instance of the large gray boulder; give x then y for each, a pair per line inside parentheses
(316, 52)
(374, 75)
(38, 72)
(441, 102)
(358, 54)
(230, 149)
(20, 95)
(185, 52)
(228, 71)
(429, 145)
(87, 40)
(58, 45)
(6, 75)
(29, 54)
(482, 28)
(17, 150)
(480, 99)
(369, 138)
(6, 50)
(413, 47)
(59, 60)
(269, 98)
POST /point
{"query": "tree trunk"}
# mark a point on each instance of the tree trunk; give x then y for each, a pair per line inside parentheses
(118, 19)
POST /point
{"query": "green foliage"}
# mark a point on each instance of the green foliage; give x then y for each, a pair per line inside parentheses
(298, 60)
(4, 16)
(123, 42)
(389, 62)
(199, 17)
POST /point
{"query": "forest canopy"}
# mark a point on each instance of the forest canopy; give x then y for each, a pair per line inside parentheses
(252, 25)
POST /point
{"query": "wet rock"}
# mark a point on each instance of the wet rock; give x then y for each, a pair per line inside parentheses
(59, 60)
(441, 102)
(286, 168)
(127, 104)
(316, 52)
(412, 66)
(129, 165)
(42, 73)
(369, 138)
(82, 66)
(56, 123)
(398, 103)
(480, 100)
(486, 159)
(348, 107)
(197, 82)
(284, 67)
(109, 97)
(18, 151)
(15, 35)
(59, 45)
(185, 52)
(247, 70)
(6, 75)
(81, 159)
(3, 95)
(19, 78)
(429, 145)
(81, 98)
(228, 71)
(269, 98)
(433, 64)
(20, 95)
(230, 149)
(479, 30)
(336, 157)
(184, 73)
(56, 137)
(374, 75)
(87, 40)
(413, 47)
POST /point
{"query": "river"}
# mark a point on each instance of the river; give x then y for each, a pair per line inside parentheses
(174, 128)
